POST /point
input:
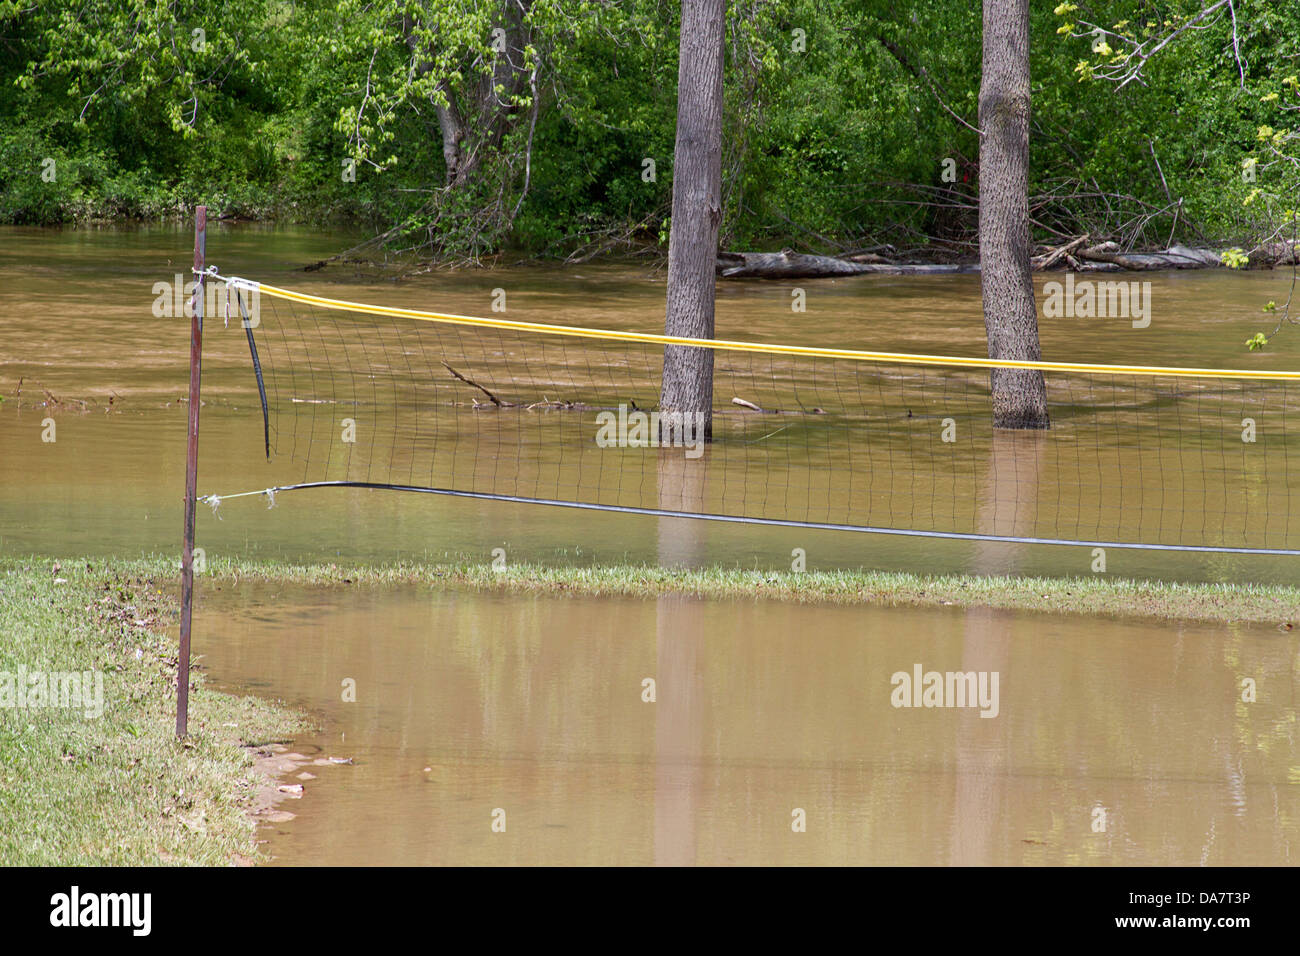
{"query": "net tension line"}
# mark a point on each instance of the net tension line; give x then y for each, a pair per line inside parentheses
(241, 285)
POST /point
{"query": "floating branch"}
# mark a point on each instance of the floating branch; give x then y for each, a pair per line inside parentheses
(495, 401)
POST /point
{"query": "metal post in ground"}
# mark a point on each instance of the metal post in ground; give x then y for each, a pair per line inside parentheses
(191, 474)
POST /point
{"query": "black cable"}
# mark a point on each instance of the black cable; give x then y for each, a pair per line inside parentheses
(777, 522)
(257, 370)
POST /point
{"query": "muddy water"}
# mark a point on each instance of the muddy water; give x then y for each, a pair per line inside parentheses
(78, 323)
(466, 704)
(533, 705)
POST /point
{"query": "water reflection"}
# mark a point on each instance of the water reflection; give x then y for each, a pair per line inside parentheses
(534, 704)
(679, 707)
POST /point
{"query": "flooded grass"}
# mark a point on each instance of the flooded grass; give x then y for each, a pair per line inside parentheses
(458, 690)
(1123, 598)
(91, 772)
(1097, 595)
(118, 789)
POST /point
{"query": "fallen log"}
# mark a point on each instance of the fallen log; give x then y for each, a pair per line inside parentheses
(785, 265)
(1051, 258)
(1175, 257)
(796, 265)
(1283, 253)
(1074, 255)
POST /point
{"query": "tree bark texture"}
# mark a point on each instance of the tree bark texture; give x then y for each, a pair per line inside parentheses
(697, 211)
(1010, 315)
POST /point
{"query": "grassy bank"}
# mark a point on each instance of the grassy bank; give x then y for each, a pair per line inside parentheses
(1095, 595)
(116, 787)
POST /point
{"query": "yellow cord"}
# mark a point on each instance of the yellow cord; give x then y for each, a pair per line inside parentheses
(901, 358)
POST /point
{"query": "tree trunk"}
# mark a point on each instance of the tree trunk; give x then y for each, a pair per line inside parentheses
(481, 118)
(453, 135)
(697, 212)
(1010, 315)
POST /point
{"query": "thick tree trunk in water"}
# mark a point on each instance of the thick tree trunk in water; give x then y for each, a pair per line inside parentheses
(697, 211)
(1010, 315)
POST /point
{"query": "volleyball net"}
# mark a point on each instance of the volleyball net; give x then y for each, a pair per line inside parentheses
(352, 394)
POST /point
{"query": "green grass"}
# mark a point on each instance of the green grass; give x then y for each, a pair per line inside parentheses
(1093, 595)
(1096, 594)
(119, 788)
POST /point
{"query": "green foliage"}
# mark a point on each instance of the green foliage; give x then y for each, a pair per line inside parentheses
(140, 106)
(846, 123)
(1234, 258)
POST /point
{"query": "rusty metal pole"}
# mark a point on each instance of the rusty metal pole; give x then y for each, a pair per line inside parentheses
(191, 474)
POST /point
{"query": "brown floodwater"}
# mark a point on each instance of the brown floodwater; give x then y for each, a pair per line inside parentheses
(533, 704)
(1130, 462)
(466, 704)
